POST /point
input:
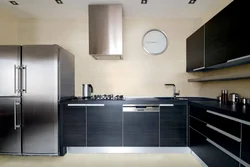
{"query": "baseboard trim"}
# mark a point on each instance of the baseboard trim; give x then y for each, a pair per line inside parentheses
(128, 150)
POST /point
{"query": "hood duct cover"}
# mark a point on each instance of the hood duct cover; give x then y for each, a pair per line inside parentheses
(105, 32)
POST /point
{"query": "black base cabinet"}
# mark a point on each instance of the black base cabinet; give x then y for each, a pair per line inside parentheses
(173, 126)
(74, 126)
(141, 129)
(245, 154)
(210, 154)
(104, 126)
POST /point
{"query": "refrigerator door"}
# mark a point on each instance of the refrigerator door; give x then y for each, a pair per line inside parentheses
(40, 99)
(10, 131)
(9, 71)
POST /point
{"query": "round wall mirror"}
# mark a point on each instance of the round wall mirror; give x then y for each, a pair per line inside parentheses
(155, 42)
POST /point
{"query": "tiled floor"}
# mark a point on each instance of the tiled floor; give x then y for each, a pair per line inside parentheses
(102, 160)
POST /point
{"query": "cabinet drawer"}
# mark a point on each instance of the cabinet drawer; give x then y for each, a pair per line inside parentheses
(224, 124)
(199, 113)
(245, 155)
(223, 139)
(231, 143)
(218, 158)
(197, 124)
(208, 152)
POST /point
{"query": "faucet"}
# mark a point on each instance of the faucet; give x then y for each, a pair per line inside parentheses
(174, 90)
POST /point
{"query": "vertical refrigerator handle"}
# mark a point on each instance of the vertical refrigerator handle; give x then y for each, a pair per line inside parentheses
(15, 115)
(17, 79)
(24, 78)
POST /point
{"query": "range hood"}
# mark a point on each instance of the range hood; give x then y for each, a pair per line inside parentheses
(105, 32)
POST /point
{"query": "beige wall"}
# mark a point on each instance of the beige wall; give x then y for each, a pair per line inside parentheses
(8, 28)
(139, 74)
(212, 89)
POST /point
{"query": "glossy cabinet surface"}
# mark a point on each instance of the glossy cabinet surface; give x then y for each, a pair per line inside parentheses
(104, 126)
(218, 37)
(209, 153)
(74, 126)
(141, 129)
(226, 39)
(173, 126)
(245, 155)
(195, 50)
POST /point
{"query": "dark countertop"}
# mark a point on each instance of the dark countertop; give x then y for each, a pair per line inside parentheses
(135, 100)
(237, 111)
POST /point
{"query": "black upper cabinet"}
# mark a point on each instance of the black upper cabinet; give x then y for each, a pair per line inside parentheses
(240, 29)
(245, 154)
(141, 129)
(218, 36)
(74, 126)
(195, 50)
(173, 126)
(225, 39)
(104, 126)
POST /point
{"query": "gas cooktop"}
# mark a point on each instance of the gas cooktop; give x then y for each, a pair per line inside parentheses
(105, 97)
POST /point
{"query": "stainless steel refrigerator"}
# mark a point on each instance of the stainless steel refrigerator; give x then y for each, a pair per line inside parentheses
(33, 79)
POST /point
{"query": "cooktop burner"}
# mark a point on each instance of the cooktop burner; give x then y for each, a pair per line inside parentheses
(105, 97)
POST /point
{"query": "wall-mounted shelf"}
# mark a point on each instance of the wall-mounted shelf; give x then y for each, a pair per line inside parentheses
(221, 78)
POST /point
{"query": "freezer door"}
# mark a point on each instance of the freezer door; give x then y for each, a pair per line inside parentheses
(40, 99)
(10, 120)
(9, 71)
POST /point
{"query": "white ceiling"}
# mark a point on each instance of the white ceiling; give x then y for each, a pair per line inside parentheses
(132, 8)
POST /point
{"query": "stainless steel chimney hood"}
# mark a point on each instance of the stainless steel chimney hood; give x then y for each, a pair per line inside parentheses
(105, 32)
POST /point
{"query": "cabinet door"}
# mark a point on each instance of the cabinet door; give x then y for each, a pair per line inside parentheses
(104, 125)
(173, 126)
(219, 34)
(74, 126)
(195, 50)
(141, 129)
(240, 35)
(245, 148)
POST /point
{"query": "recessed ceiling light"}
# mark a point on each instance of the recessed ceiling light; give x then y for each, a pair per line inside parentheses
(59, 1)
(13, 2)
(144, 1)
(191, 1)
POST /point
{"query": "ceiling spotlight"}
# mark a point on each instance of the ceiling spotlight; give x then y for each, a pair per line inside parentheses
(191, 1)
(13, 2)
(59, 1)
(144, 1)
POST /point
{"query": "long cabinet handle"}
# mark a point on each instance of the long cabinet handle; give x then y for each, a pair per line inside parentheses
(15, 115)
(86, 105)
(146, 109)
(166, 105)
(239, 58)
(197, 69)
(95, 105)
(224, 133)
(228, 153)
(228, 117)
(24, 73)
